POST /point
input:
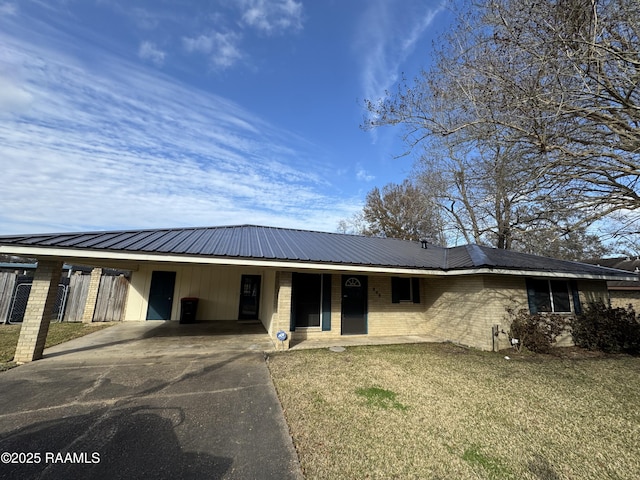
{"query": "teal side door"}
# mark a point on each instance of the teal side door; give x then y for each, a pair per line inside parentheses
(161, 295)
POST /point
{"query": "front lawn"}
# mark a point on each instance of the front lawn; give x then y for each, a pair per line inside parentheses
(58, 333)
(443, 411)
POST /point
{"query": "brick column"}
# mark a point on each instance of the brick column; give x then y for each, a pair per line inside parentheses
(92, 296)
(284, 308)
(39, 312)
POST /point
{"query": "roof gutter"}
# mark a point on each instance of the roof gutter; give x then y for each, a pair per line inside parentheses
(84, 257)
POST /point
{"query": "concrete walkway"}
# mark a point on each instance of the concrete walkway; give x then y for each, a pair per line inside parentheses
(359, 340)
(147, 400)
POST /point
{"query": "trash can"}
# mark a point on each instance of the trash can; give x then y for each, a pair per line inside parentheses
(188, 308)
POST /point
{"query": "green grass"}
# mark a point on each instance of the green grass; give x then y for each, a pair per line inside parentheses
(380, 398)
(58, 333)
(443, 411)
(489, 466)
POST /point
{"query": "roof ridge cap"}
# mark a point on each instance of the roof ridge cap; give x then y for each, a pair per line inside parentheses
(477, 255)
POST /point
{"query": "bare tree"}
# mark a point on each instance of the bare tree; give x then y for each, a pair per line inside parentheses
(398, 211)
(549, 91)
(486, 198)
(354, 225)
(576, 245)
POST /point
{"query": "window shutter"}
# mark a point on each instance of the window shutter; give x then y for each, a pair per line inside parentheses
(531, 297)
(577, 307)
(326, 302)
(415, 287)
(395, 290)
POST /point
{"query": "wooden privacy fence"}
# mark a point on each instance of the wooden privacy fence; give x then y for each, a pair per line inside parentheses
(7, 286)
(110, 302)
(112, 297)
(78, 288)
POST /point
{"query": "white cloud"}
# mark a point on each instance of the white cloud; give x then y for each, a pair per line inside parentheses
(272, 16)
(119, 147)
(364, 176)
(387, 35)
(149, 51)
(145, 19)
(221, 48)
(13, 97)
(8, 8)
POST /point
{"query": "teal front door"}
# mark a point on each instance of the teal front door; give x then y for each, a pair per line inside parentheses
(354, 304)
(161, 295)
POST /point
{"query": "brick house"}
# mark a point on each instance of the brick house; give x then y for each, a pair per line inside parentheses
(314, 285)
(622, 292)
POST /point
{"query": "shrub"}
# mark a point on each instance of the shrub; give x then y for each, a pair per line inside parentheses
(611, 330)
(536, 332)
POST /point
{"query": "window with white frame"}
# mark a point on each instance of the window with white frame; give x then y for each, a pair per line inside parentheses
(546, 295)
(405, 289)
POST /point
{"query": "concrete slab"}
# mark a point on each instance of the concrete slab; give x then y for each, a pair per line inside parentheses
(161, 338)
(358, 340)
(127, 402)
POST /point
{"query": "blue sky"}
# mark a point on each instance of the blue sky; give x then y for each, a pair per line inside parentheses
(166, 113)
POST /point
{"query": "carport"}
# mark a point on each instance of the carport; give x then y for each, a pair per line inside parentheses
(215, 265)
(41, 302)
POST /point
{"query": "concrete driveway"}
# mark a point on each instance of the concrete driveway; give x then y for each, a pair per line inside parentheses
(147, 400)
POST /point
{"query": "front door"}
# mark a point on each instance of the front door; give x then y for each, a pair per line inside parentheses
(249, 297)
(354, 304)
(161, 295)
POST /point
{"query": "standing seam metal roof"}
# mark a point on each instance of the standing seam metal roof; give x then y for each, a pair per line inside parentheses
(258, 242)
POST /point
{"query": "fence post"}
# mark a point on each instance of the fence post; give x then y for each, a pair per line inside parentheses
(92, 296)
(42, 299)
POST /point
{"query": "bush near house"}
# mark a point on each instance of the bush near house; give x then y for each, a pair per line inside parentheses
(612, 330)
(535, 332)
(599, 327)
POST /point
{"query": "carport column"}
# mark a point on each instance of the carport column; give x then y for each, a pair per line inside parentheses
(92, 295)
(39, 311)
(284, 308)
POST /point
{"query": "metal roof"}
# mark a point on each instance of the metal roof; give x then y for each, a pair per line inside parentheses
(630, 264)
(271, 243)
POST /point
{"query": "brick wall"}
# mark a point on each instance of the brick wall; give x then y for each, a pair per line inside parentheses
(463, 309)
(282, 315)
(387, 318)
(593, 291)
(624, 298)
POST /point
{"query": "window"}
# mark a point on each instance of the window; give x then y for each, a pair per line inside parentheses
(352, 282)
(306, 299)
(311, 301)
(549, 296)
(405, 289)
